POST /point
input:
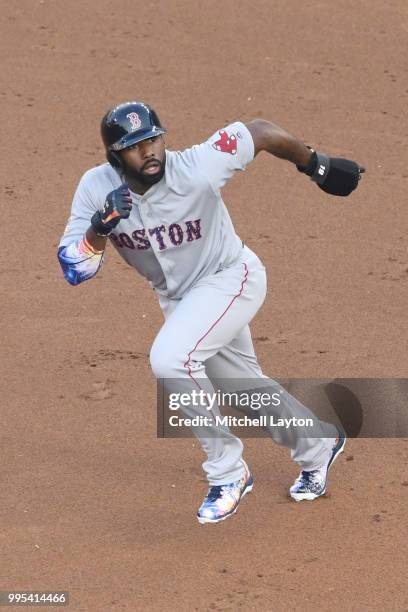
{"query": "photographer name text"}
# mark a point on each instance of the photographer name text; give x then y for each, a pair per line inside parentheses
(234, 421)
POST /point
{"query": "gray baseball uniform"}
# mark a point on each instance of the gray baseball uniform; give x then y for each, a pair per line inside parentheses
(179, 235)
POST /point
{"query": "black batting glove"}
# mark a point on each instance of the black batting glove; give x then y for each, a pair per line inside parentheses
(117, 206)
(335, 175)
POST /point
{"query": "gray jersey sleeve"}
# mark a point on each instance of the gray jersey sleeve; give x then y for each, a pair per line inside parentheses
(78, 259)
(227, 151)
(84, 204)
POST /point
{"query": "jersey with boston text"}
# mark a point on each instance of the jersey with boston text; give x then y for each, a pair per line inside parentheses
(179, 231)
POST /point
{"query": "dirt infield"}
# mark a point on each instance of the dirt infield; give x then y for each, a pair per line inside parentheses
(92, 502)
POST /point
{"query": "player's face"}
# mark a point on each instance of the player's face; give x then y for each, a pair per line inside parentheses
(145, 160)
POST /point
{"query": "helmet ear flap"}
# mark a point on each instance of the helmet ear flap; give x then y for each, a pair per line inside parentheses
(114, 159)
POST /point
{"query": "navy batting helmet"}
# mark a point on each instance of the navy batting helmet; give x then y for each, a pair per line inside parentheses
(125, 125)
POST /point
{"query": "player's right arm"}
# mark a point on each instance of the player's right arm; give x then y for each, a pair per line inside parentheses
(81, 249)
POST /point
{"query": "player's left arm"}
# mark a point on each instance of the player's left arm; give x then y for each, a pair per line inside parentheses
(335, 175)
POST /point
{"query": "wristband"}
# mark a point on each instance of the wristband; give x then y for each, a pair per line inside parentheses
(89, 247)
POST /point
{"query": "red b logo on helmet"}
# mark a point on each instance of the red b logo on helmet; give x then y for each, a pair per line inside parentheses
(134, 120)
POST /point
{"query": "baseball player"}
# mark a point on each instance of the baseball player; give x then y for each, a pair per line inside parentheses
(163, 212)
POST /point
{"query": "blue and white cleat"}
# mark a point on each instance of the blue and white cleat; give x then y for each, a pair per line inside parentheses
(310, 485)
(222, 500)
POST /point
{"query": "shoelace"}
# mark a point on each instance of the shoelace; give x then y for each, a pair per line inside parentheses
(214, 493)
(308, 476)
(218, 491)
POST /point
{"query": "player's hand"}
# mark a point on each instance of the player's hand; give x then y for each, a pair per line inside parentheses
(117, 206)
(335, 175)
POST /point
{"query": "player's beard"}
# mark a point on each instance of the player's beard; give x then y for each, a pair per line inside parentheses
(143, 177)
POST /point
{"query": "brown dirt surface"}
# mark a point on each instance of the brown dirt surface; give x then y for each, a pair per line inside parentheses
(92, 502)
